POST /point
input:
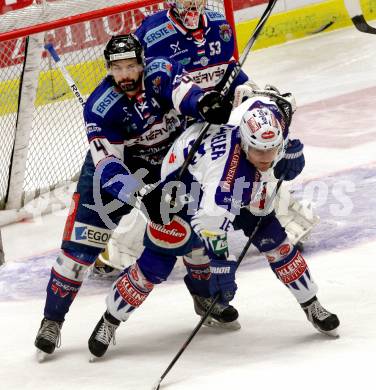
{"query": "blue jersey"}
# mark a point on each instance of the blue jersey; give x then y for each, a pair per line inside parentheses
(143, 126)
(206, 53)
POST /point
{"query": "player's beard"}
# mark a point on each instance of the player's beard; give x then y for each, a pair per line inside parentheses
(130, 85)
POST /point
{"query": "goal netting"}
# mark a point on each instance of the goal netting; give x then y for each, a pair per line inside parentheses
(43, 141)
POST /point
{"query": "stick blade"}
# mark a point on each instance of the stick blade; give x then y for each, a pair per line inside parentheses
(157, 384)
(361, 24)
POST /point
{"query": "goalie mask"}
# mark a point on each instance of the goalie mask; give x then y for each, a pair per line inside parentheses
(261, 135)
(188, 12)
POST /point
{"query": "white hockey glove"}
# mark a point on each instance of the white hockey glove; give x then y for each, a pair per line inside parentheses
(243, 92)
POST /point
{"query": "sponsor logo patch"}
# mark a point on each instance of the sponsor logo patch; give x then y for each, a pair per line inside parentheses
(90, 235)
(232, 167)
(173, 235)
(253, 125)
(210, 76)
(213, 15)
(185, 61)
(103, 104)
(158, 65)
(293, 270)
(268, 134)
(159, 33)
(172, 158)
(130, 294)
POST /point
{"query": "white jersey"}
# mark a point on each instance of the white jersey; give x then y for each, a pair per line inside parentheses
(227, 180)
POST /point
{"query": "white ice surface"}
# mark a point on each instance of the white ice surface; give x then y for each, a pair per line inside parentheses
(276, 347)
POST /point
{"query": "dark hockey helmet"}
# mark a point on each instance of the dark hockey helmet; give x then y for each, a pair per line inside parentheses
(122, 47)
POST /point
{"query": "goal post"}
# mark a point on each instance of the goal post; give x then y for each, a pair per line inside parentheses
(41, 123)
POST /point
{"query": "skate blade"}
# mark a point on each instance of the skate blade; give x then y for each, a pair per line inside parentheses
(41, 356)
(331, 333)
(156, 385)
(93, 359)
(213, 323)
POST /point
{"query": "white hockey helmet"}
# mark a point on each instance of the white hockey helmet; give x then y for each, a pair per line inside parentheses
(259, 128)
(188, 11)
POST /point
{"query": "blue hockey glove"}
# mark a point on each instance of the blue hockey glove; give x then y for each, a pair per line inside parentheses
(292, 163)
(222, 279)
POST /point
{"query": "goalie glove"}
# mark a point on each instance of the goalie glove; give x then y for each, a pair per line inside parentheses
(243, 92)
(285, 101)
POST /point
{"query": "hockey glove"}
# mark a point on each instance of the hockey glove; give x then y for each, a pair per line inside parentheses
(214, 109)
(161, 205)
(292, 163)
(285, 101)
(222, 279)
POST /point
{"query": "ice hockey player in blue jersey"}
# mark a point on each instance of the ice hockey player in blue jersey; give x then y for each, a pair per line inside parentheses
(203, 42)
(198, 38)
(225, 187)
(131, 118)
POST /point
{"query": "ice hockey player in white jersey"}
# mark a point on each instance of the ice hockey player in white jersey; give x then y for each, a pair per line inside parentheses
(203, 42)
(132, 118)
(224, 188)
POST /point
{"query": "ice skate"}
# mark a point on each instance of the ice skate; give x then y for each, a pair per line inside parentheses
(103, 271)
(48, 338)
(222, 316)
(101, 268)
(324, 321)
(102, 335)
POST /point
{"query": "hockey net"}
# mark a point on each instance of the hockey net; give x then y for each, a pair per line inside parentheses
(43, 141)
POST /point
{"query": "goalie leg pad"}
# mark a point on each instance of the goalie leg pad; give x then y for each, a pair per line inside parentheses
(291, 269)
(65, 281)
(128, 292)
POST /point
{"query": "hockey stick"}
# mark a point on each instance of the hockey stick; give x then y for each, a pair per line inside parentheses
(215, 300)
(356, 15)
(232, 76)
(72, 85)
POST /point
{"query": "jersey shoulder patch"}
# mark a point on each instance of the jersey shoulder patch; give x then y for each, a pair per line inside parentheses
(102, 99)
(158, 64)
(159, 33)
(214, 16)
